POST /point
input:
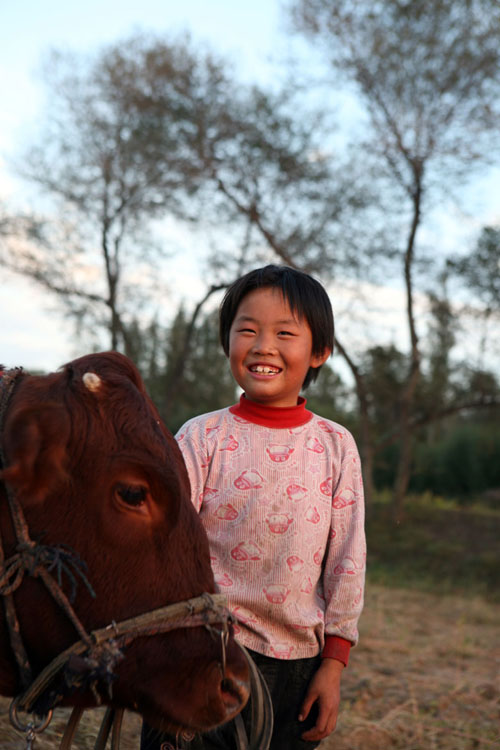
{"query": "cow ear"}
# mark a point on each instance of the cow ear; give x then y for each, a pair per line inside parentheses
(35, 447)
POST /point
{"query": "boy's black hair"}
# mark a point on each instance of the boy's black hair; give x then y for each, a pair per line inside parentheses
(306, 297)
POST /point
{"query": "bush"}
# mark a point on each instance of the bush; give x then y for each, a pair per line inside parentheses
(463, 464)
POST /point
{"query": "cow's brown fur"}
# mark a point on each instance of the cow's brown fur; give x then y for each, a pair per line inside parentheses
(68, 451)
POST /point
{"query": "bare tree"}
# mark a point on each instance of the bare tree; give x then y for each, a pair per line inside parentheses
(429, 76)
(110, 168)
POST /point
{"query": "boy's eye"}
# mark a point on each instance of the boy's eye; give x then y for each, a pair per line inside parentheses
(246, 330)
(285, 333)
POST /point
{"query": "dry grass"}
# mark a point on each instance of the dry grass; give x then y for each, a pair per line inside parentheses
(426, 676)
(10, 739)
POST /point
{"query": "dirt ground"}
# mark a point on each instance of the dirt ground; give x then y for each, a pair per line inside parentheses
(425, 676)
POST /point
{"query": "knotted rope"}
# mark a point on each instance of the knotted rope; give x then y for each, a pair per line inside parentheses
(31, 557)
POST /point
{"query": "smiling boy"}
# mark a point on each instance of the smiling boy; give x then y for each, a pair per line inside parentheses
(279, 491)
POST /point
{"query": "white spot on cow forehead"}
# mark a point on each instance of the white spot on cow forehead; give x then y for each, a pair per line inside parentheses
(91, 381)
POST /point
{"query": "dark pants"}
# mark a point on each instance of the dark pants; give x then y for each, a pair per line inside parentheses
(287, 681)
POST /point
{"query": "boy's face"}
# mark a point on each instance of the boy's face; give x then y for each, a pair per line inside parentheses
(270, 349)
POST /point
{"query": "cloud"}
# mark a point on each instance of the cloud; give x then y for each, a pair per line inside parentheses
(30, 335)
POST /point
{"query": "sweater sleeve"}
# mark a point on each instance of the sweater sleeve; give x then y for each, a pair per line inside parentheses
(345, 561)
(192, 442)
(336, 648)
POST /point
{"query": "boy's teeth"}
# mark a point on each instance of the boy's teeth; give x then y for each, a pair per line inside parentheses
(264, 370)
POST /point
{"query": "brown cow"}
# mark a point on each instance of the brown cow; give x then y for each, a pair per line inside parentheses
(95, 469)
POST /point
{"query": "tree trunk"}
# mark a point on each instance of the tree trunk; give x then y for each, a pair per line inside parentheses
(367, 443)
(367, 453)
(112, 268)
(403, 471)
(180, 363)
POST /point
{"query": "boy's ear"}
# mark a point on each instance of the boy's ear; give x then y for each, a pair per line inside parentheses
(319, 359)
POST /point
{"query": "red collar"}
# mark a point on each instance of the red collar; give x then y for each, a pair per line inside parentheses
(272, 416)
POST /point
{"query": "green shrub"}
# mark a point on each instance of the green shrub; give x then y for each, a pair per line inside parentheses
(464, 464)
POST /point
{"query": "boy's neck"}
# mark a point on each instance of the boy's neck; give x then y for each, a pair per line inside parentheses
(277, 417)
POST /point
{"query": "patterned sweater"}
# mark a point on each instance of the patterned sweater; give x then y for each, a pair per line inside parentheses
(279, 491)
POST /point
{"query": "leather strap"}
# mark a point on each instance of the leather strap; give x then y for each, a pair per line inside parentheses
(71, 727)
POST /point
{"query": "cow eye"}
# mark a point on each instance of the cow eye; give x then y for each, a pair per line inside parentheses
(133, 495)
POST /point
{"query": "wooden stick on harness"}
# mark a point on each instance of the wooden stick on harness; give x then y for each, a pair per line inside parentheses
(205, 610)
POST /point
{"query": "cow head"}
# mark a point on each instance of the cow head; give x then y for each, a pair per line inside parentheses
(96, 470)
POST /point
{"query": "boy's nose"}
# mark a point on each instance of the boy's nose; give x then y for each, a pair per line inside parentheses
(264, 344)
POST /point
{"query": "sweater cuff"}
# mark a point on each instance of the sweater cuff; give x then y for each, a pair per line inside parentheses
(336, 648)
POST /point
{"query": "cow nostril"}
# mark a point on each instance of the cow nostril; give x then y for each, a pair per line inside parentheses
(229, 689)
(234, 696)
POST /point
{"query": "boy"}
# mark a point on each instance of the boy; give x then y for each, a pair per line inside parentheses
(279, 491)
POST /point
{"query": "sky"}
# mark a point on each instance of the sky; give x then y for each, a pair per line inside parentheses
(32, 332)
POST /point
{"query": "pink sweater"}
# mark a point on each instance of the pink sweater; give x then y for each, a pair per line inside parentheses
(279, 491)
